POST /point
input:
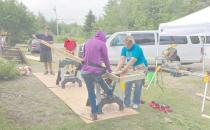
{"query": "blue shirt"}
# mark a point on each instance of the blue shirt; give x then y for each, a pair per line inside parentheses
(134, 52)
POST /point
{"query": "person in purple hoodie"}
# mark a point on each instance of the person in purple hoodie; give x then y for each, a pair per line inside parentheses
(95, 54)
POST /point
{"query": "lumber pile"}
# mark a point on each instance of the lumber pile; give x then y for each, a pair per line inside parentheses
(15, 54)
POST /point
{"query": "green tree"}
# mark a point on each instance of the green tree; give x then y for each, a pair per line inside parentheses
(123, 15)
(89, 22)
(16, 20)
(53, 26)
(40, 22)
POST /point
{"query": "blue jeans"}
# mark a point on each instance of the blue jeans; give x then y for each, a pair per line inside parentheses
(90, 79)
(137, 92)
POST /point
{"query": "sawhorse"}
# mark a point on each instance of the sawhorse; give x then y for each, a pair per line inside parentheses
(116, 82)
(62, 79)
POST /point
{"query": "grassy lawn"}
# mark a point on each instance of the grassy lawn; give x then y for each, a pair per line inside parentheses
(25, 103)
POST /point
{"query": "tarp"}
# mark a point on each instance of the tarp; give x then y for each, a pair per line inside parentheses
(197, 23)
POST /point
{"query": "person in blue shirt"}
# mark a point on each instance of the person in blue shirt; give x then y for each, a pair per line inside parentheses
(132, 54)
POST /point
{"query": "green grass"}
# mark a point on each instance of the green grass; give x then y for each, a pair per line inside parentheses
(26, 103)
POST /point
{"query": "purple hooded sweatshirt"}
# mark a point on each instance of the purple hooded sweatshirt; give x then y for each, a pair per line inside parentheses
(95, 51)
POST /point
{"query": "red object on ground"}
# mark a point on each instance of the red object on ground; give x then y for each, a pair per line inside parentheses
(70, 45)
(161, 108)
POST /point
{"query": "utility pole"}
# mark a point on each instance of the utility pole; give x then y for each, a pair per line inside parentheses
(56, 17)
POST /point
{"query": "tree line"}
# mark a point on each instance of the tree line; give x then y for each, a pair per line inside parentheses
(119, 15)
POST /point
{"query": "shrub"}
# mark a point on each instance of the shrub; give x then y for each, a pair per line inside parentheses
(8, 69)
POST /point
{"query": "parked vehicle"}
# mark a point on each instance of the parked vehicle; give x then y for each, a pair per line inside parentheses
(189, 47)
(80, 48)
(34, 46)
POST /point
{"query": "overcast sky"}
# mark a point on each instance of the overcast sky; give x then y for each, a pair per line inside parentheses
(70, 11)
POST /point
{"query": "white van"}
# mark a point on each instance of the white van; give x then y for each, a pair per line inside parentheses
(189, 47)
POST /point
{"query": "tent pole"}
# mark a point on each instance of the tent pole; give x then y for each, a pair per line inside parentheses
(203, 55)
(157, 53)
(157, 49)
(204, 97)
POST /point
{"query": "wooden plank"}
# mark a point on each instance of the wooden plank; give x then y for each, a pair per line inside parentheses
(205, 116)
(77, 102)
(14, 54)
(184, 72)
(111, 75)
(36, 58)
(78, 59)
(131, 76)
(201, 95)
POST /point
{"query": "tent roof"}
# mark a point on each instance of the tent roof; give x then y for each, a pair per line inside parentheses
(197, 23)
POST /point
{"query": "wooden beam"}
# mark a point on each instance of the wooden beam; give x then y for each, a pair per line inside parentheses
(205, 116)
(183, 72)
(78, 59)
(113, 76)
(132, 77)
(201, 95)
(125, 78)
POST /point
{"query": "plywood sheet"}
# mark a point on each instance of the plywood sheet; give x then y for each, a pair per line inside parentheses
(75, 97)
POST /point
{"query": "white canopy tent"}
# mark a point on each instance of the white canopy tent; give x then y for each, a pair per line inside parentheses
(197, 23)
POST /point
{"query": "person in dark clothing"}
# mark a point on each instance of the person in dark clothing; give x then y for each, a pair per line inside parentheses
(45, 51)
(171, 53)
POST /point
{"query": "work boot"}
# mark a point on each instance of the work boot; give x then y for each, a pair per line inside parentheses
(93, 116)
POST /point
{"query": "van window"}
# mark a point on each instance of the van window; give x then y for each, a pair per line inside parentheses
(207, 39)
(144, 38)
(165, 40)
(118, 40)
(180, 39)
(194, 39)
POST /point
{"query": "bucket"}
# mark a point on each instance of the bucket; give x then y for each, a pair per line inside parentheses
(149, 76)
